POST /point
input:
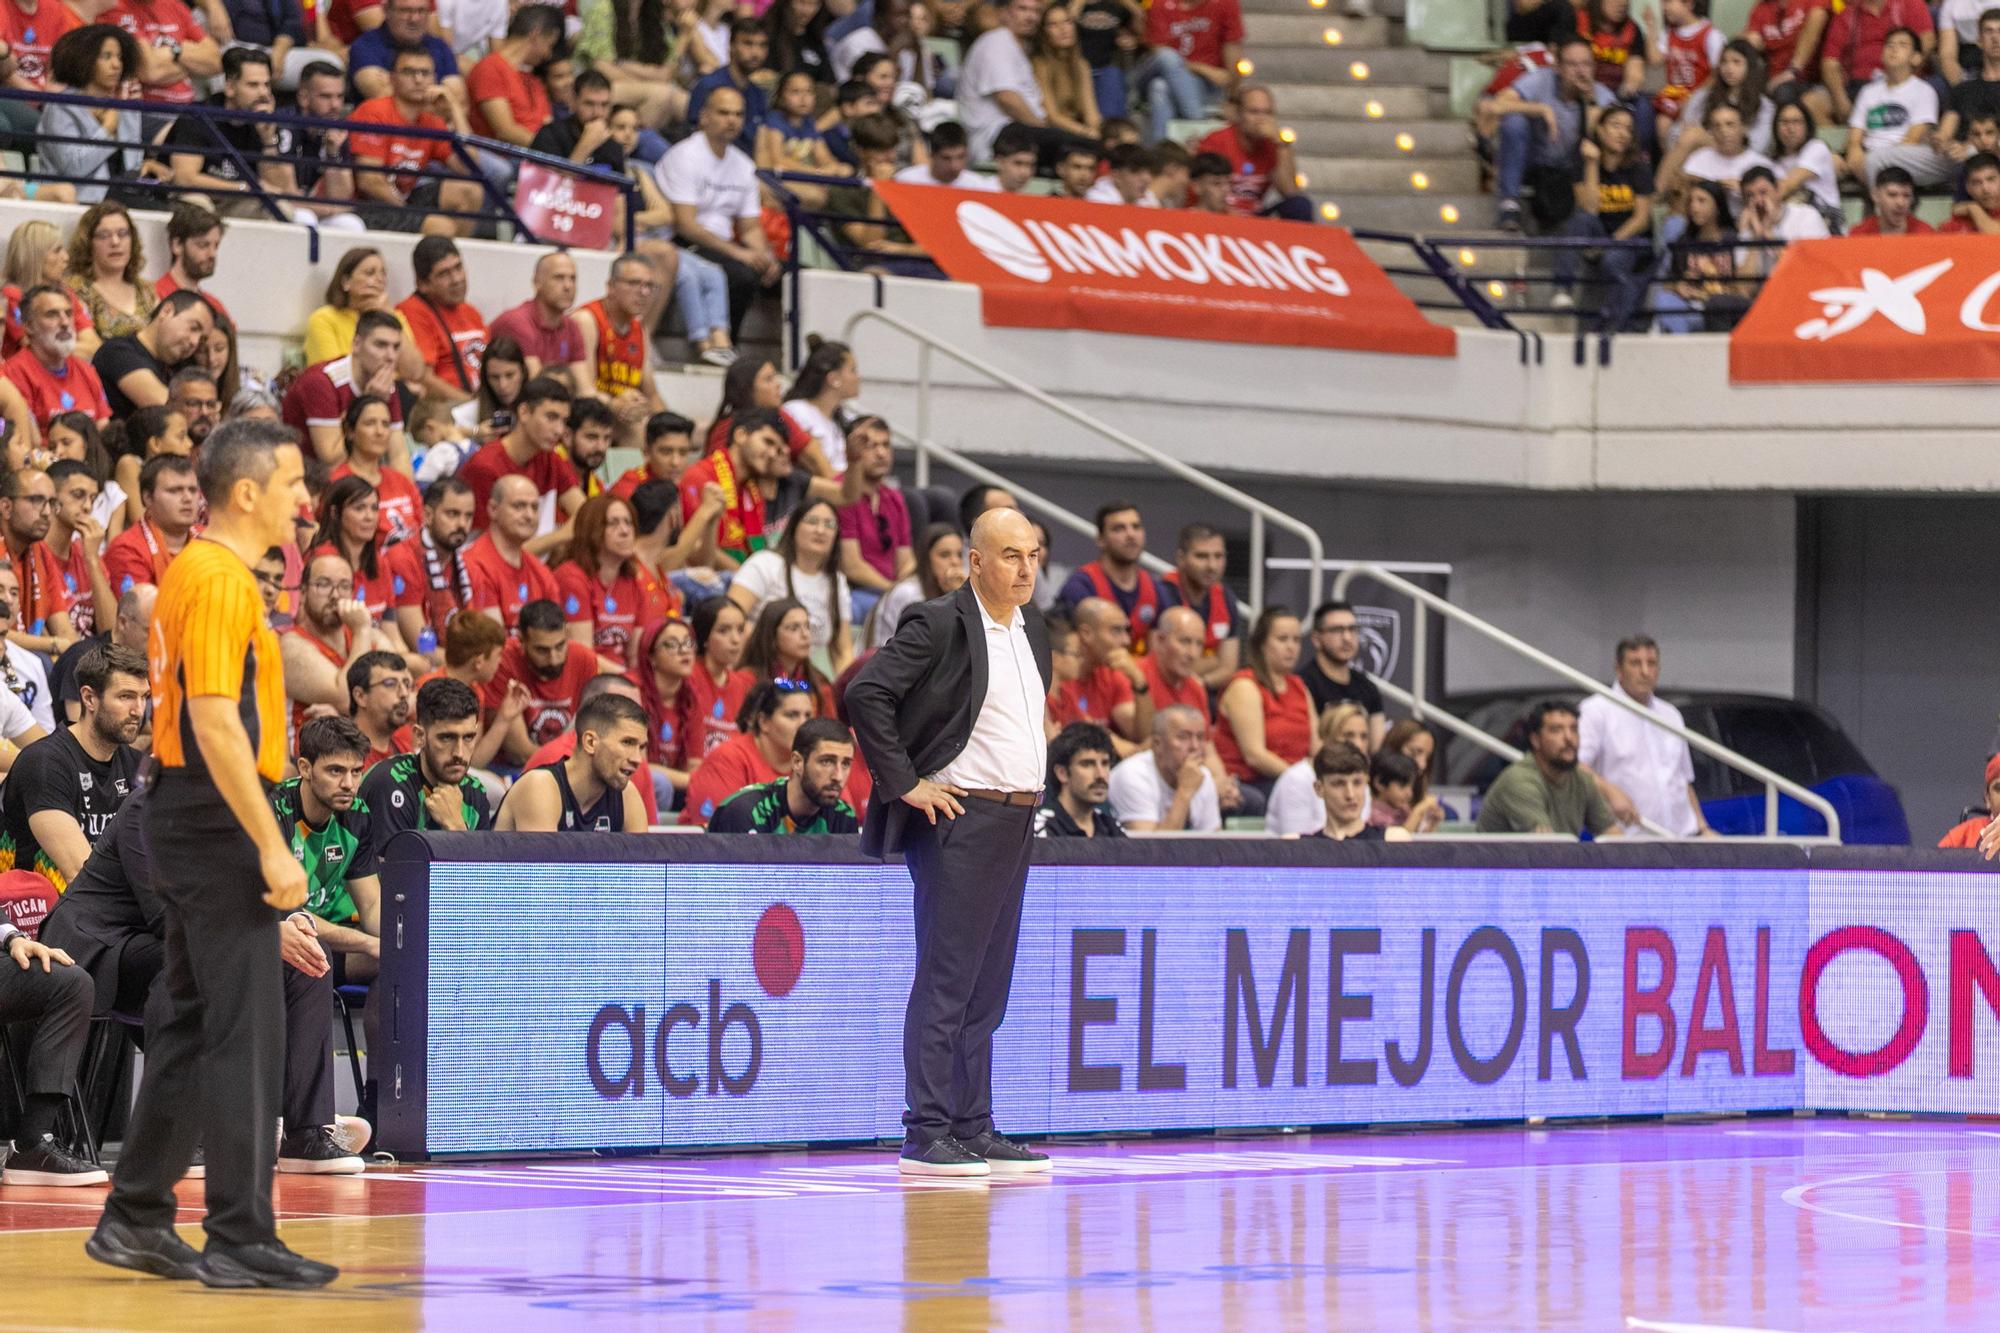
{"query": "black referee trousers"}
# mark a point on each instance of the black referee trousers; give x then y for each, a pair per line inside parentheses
(969, 874)
(214, 1068)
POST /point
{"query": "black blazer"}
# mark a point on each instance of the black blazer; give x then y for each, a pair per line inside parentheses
(110, 905)
(912, 704)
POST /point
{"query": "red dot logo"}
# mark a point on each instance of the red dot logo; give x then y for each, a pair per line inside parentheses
(778, 950)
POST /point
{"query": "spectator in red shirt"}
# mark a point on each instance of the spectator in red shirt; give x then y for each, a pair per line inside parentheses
(428, 580)
(350, 519)
(669, 450)
(448, 329)
(176, 48)
(318, 400)
(1853, 51)
(509, 101)
(1789, 32)
(1172, 669)
(761, 750)
(1116, 576)
(194, 243)
(503, 576)
(392, 196)
(1259, 162)
(530, 450)
(75, 539)
(875, 550)
(1110, 690)
(30, 29)
(673, 712)
(367, 427)
(1979, 214)
(1201, 558)
(27, 503)
(608, 596)
(1895, 196)
(172, 500)
(552, 667)
(378, 699)
(48, 372)
(1267, 723)
(1195, 46)
(756, 453)
(542, 326)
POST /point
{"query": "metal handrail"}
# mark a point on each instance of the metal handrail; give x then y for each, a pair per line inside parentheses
(1774, 783)
(1260, 513)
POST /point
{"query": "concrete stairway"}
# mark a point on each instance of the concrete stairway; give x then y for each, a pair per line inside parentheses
(1352, 101)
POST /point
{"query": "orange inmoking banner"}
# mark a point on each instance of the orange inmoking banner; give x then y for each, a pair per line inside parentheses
(1875, 309)
(1165, 273)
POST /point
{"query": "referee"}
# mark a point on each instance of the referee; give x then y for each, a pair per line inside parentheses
(214, 1071)
(949, 714)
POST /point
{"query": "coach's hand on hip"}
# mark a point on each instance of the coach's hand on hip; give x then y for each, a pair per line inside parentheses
(935, 798)
(284, 878)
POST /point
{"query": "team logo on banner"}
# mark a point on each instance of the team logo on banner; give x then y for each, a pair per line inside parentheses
(1168, 273)
(1872, 310)
(1381, 638)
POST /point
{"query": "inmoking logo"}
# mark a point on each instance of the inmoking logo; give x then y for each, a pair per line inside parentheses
(777, 956)
(998, 238)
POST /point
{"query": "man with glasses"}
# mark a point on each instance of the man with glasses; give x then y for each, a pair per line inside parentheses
(27, 503)
(611, 361)
(378, 689)
(332, 633)
(193, 394)
(394, 197)
(1331, 676)
(21, 670)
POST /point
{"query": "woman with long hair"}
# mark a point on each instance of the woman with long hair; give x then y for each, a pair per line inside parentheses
(75, 435)
(1414, 741)
(760, 751)
(780, 648)
(797, 29)
(673, 712)
(1614, 200)
(350, 520)
(1266, 721)
(827, 381)
(720, 680)
(37, 254)
(217, 354)
(1063, 75)
(753, 381)
(804, 568)
(1738, 81)
(365, 428)
(940, 569)
(145, 434)
(100, 150)
(607, 593)
(503, 373)
(1701, 265)
(107, 264)
(637, 45)
(1805, 166)
(360, 282)
(892, 33)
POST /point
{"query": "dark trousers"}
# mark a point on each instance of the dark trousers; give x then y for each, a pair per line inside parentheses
(214, 1070)
(969, 875)
(744, 284)
(57, 1004)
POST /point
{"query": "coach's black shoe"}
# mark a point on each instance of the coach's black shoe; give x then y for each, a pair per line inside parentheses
(1004, 1157)
(155, 1250)
(941, 1157)
(265, 1264)
(45, 1162)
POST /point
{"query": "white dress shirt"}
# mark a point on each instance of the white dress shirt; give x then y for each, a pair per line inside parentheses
(1007, 750)
(1653, 766)
(1138, 792)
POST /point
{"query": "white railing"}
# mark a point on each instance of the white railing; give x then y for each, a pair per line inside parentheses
(1421, 708)
(1260, 513)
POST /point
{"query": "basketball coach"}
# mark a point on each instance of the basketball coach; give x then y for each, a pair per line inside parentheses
(949, 714)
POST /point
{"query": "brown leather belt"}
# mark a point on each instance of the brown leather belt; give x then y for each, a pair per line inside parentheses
(1005, 797)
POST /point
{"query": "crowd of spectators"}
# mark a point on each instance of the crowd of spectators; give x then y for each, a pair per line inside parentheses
(1707, 153)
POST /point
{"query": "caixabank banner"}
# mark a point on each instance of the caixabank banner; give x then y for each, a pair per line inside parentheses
(601, 1004)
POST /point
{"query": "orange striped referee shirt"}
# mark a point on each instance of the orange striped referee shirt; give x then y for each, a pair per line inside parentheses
(209, 636)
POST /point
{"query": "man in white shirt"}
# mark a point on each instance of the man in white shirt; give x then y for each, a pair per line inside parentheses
(997, 85)
(1893, 115)
(1167, 789)
(1724, 159)
(1766, 218)
(712, 185)
(1652, 767)
(951, 154)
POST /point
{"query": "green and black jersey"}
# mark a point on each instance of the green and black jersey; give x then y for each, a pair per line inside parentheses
(764, 809)
(394, 793)
(340, 851)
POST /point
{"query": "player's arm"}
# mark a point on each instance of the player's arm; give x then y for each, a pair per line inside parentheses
(365, 938)
(62, 840)
(635, 805)
(534, 805)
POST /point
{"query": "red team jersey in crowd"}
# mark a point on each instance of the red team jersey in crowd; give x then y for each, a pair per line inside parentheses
(421, 576)
(337, 656)
(499, 586)
(1688, 66)
(551, 347)
(402, 504)
(13, 339)
(618, 613)
(1192, 692)
(321, 394)
(1250, 169)
(1091, 698)
(76, 389)
(137, 555)
(621, 353)
(717, 705)
(30, 37)
(554, 701)
(159, 23)
(76, 587)
(374, 593)
(441, 330)
(551, 473)
(497, 79)
(1197, 31)
(400, 154)
(741, 530)
(43, 593)
(1777, 24)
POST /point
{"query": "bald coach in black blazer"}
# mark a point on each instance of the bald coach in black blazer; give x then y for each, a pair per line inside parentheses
(949, 715)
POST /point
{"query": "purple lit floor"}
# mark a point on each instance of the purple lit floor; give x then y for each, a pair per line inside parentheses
(1760, 1224)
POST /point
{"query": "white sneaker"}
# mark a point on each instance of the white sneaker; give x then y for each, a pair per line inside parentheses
(1563, 301)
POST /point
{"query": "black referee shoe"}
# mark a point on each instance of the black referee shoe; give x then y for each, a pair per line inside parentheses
(1004, 1157)
(155, 1250)
(265, 1264)
(944, 1156)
